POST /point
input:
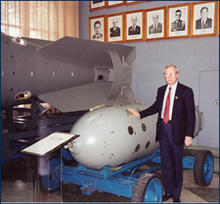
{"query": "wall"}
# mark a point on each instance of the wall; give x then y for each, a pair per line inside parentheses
(191, 55)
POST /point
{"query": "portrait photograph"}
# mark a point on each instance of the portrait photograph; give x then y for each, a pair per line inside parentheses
(134, 25)
(218, 20)
(93, 5)
(133, 2)
(115, 28)
(203, 22)
(114, 3)
(178, 21)
(155, 23)
(97, 28)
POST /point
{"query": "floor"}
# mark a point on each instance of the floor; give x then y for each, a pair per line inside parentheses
(19, 184)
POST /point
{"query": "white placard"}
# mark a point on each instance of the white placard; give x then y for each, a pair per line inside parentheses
(49, 143)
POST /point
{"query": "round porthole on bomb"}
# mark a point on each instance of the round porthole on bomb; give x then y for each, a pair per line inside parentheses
(130, 130)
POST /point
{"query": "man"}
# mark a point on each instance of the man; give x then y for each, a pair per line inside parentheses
(178, 24)
(175, 127)
(97, 27)
(115, 31)
(204, 21)
(134, 29)
(156, 27)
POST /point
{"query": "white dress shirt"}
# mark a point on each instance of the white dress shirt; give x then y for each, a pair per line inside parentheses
(172, 96)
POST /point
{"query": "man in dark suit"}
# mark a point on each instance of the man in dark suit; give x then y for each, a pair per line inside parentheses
(98, 34)
(204, 21)
(115, 31)
(134, 29)
(178, 24)
(156, 27)
(175, 127)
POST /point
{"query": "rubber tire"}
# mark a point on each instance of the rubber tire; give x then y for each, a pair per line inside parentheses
(198, 170)
(138, 193)
(191, 152)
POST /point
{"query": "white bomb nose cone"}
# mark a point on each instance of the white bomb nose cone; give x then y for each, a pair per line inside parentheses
(110, 136)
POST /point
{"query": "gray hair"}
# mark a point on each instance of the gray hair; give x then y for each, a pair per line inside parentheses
(155, 16)
(134, 18)
(171, 65)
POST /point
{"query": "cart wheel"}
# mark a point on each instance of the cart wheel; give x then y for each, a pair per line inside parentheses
(203, 168)
(148, 188)
(191, 152)
(52, 181)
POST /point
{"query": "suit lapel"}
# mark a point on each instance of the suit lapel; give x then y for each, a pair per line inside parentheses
(163, 90)
(176, 97)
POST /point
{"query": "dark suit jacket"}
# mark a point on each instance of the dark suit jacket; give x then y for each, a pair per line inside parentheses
(134, 32)
(115, 33)
(157, 30)
(99, 36)
(208, 23)
(178, 26)
(183, 115)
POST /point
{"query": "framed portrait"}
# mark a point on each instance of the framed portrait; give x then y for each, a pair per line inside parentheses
(97, 28)
(218, 19)
(178, 21)
(115, 29)
(155, 20)
(134, 2)
(203, 19)
(134, 24)
(114, 3)
(93, 5)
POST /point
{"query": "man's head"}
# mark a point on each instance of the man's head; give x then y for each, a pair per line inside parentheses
(178, 14)
(114, 22)
(204, 12)
(134, 21)
(155, 18)
(171, 74)
(97, 26)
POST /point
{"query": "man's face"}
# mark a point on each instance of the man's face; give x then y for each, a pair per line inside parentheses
(204, 13)
(155, 19)
(134, 21)
(97, 28)
(178, 15)
(171, 75)
(114, 23)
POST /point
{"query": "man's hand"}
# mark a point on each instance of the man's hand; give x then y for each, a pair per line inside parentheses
(188, 141)
(133, 112)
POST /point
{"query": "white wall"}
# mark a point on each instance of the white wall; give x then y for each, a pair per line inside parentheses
(191, 55)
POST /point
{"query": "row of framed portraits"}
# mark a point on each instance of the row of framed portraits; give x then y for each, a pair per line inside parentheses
(93, 5)
(176, 21)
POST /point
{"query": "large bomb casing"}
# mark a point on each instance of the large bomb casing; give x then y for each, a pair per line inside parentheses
(66, 72)
(110, 136)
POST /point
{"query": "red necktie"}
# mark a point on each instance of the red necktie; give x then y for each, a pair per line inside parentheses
(167, 108)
